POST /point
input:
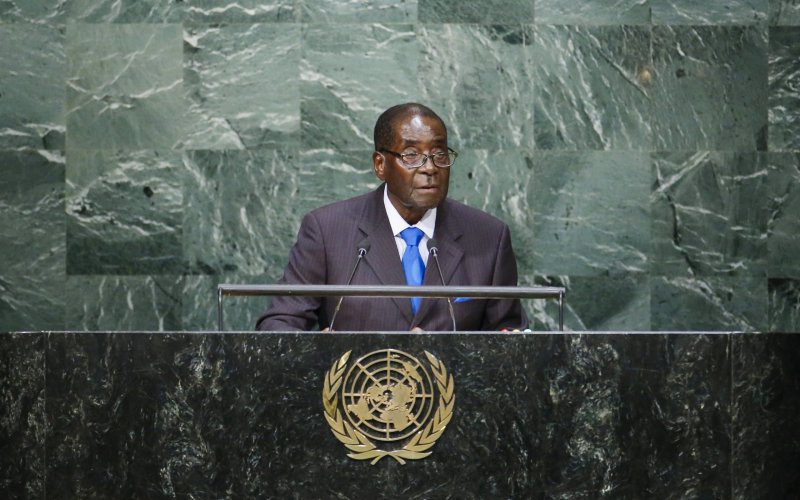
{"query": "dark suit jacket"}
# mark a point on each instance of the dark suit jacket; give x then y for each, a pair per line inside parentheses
(474, 249)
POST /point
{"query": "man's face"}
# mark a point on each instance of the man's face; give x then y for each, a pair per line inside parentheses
(413, 192)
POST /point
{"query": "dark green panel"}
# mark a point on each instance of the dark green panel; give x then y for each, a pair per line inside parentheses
(227, 72)
(589, 12)
(114, 303)
(363, 11)
(784, 305)
(591, 212)
(32, 238)
(350, 73)
(709, 214)
(710, 88)
(784, 12)
(709, 303)
(32, 86)
(476, 11)
(124, 86)
(783, 229)
(480, 79)
(124, 212)
(784, 88)
(692, 12)
(593, 88)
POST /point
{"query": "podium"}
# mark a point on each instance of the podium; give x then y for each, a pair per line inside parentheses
(538, 415)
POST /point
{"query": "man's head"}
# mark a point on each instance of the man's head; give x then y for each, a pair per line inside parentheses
(401, 130)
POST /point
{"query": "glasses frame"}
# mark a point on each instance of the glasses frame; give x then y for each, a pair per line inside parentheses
(453, 155)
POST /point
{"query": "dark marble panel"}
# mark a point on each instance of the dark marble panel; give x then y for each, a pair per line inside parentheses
(784, 88)
(784, 305)
(147, 11)
(124, 212)
(22, 415)
(766, 415)
(476, 11)
(783, 224)
(599, 303)
(593, 87)
(32, 237)
(535, 416)
(480, 79)
(784, 12)
(349, 74)
(123, 303)
(709, 213)
(32, 92)
(709, 303)
(591, 212)
(690, 12)
(710, 88)
(124, 86)
(227, 70)
(369, 11)
(593, 12)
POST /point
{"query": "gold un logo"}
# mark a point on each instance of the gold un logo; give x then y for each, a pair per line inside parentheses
(388, 396)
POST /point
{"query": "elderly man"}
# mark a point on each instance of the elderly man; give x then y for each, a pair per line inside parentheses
(396, 222)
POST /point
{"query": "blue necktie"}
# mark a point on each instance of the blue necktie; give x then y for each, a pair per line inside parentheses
(413, 266)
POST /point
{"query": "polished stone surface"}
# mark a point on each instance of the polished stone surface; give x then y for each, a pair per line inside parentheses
(191, 137)
(540, 415)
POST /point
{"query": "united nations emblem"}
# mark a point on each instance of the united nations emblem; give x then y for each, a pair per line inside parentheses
(388, 396)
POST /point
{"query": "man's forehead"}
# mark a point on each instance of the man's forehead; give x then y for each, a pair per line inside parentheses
(407, 127)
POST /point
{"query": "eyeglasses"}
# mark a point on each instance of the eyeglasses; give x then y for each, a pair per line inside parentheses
(411, 161)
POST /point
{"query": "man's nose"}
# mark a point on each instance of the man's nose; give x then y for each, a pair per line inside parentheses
(428, 166)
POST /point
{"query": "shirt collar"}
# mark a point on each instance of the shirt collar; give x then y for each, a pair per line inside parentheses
(427, 223)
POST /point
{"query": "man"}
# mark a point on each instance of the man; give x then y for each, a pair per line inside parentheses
(412, 158)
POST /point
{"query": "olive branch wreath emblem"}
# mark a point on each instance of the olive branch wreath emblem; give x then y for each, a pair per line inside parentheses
(360, 446)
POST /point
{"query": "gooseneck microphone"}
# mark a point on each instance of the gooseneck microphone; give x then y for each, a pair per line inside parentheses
(363, 248)
(433, 249)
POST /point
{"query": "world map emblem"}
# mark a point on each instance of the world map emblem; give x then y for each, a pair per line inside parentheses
(391, 399)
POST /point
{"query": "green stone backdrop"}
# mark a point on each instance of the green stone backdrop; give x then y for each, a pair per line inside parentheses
(646, 153)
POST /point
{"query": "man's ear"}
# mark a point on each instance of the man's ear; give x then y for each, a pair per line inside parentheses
(379, 165)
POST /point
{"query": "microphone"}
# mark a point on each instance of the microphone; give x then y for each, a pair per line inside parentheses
(433, 249)
(363, 248)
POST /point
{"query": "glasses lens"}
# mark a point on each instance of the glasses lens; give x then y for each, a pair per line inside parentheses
(412, 160)
(443, 159)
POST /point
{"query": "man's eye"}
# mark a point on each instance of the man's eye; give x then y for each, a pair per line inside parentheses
(411, 156)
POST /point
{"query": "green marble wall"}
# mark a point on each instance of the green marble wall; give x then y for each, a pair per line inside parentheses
(646, 153)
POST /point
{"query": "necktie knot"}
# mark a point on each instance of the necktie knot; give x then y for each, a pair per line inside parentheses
(412, 236)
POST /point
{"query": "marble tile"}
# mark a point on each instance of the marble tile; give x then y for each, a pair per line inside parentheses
(124, 212)
(123, 303)
(766, 414)
(784, 305)
(714, 303)
(124, 86)
(32, 93)
(600, 303)
(591, 213)
(709, 213)
(689, 12)
(784, 12)
(479, 79)
(199, 303)
(784, 88)
(22, 415)
(32, 236)
(349, 74)
(593, 87)
(476, 11)
(30, 11)
(495, 182)
(364, 11)
(227, 70)
(783, 225)
(593, 12)
(164, 11)
(710, 88)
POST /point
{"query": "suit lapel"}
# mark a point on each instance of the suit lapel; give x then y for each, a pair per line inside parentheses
(382, 256)
(447, 233)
